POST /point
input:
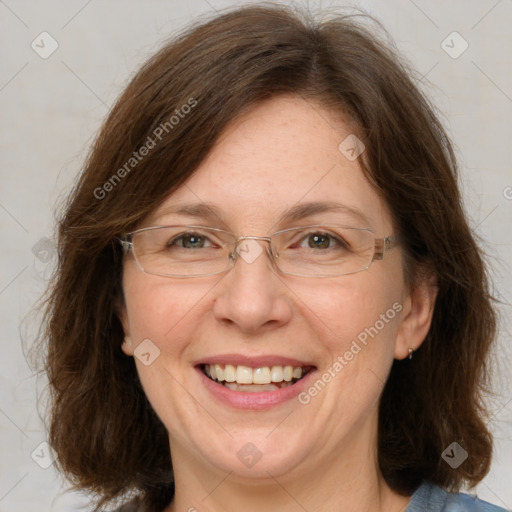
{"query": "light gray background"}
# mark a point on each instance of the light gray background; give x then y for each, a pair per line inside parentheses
(51, 109)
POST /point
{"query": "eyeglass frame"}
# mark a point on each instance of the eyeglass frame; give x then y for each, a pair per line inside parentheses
(381, 246)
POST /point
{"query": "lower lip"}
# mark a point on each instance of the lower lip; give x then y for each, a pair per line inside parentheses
(254, 401)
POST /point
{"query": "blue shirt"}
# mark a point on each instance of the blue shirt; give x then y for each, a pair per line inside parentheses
(431, 498)
(427, 498)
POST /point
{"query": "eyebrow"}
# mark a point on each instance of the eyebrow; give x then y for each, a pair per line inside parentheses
(209, 211)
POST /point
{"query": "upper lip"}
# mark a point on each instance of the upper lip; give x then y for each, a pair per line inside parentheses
(252, 361)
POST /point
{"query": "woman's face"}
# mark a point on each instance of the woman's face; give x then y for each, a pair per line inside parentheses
(282, 154)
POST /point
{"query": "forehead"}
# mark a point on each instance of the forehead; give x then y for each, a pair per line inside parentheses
(280, 155)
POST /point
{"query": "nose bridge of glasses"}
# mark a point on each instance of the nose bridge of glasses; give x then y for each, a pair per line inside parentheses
(264, 238)
(250, 251)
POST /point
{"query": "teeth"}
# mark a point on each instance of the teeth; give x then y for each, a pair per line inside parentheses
(229, 373)
(219, 372)
(211, 370)
(255, 388)
(277, 373)
(262, 377)
(244, 375)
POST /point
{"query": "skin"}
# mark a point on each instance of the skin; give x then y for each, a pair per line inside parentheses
(321, 456)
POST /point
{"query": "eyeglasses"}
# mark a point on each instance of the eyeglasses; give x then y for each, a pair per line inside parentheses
(306, 251)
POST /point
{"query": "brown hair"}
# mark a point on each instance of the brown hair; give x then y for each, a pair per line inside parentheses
(106, 435)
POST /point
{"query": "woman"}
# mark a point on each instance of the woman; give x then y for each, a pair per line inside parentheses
(268, 296)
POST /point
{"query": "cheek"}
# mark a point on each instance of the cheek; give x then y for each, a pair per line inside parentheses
(361, 308)
(158, 310)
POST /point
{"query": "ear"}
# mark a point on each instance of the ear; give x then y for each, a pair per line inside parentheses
(418, 309)
(127, 345)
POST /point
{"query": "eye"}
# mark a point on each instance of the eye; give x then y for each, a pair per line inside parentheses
(323, 240)
(319, 241)
(190, 241)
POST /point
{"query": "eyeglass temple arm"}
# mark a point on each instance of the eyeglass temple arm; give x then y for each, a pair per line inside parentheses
(382, 245)
(126, 244)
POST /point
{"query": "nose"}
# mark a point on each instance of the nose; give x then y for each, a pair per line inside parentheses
(252, 296)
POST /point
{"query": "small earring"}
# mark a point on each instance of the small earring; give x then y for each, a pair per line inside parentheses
(410, 352)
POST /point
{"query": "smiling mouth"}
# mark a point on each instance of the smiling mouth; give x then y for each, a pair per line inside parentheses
(245, 378)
